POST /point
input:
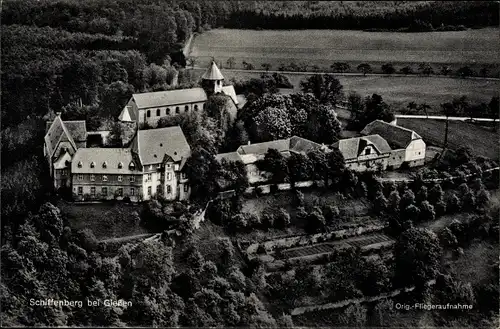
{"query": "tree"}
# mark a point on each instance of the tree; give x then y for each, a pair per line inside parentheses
(340, 67)
(448, 109)
(407, 199)
(410, 213)
(447, 238)
(234, 175)
(354, 316)
(364, 68)
(427, 212)
(191, 62)
(266, 66)
(271, 124)
(406, 70)
(231, 62)
(412, 107)
(319, 163)
(445, 70)
(393, 201)
(299, 168)
(425, 69)
(387, 68)
(336, 165)
(417, 256)
(494, 109)
(322, 125)
(380, 203)
(115, 137)
(375, 109)
(316, 221)
(484, 71)
(373, 276)
(424, 107)
(483, 197)
(202, 170)
(325, 87)
(275, 163)
(465, 71)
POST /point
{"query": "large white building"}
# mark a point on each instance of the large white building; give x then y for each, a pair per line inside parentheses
(149, 108)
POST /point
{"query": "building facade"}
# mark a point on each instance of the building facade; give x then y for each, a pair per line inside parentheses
(365, 153)
(163, 153)
(146, 109)
(250, 154)
(106, 174)
(408, 147)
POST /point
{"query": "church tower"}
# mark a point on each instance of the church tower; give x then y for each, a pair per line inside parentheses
(212, 80)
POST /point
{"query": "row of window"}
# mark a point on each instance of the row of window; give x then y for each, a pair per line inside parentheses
(104, 191)
(105, 165)
(104, 178)
(159, 189)
(177, 110)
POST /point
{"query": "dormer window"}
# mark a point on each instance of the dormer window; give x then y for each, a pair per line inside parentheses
(104, 164)
(80, 164)
(177, 110)
(120, 165)
(131, 165)
(92, 164)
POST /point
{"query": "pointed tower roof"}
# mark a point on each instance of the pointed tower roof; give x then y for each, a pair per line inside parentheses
(212, 73)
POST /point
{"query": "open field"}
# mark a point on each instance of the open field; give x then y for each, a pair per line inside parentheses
(482, 141)
(106, 220)
(397, 91)
(324, 47)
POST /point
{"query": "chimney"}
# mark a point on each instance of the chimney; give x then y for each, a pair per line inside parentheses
(248, 143)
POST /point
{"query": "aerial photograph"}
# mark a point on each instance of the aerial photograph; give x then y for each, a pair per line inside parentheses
(253, 164)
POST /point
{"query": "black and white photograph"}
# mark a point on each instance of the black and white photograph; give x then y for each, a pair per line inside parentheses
(252, 164)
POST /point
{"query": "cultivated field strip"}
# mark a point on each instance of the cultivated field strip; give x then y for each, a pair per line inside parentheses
(328, 247)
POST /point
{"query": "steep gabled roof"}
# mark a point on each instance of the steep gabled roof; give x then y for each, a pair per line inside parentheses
(76, 128)
(212, 73)
(230, 156)
(169, 97)
(282, 145)
(57, 133)
(127, 114)
(302, 145)
(395, 135)
(152, 145)
(352, 147)
(112, 156)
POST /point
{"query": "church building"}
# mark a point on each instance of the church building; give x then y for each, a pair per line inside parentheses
(149, 108)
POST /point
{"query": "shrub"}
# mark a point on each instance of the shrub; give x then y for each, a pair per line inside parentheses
(268, 217)
(282, 219)
(315, 222)
(427, 212)
(483, 197)
(331, 213)
(299, 198)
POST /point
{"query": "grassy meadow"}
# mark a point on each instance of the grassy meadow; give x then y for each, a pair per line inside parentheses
(397, 91)
(481, 140)
(324, 47)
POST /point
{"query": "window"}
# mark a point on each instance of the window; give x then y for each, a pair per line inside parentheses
(169, 176)
(149, 190)
(186, 188)
(80, 164)
(150, 167)
(168, 166)
(158, 166)
(183, 175)
(92, 177)
(169, 189)
(63, 172)
(120, 178)
(80, 177)
(418, 153)
(119, 192)
(149, 177)
(104, 191)
(120, 165)
(148, 114)
(196, 107)
(132, 179)
(104, 164)
(177, 111)
(368, 151)
(131, 166)
(158, 189)
(168, 111)
(186, 108)
(80, 190)
(203, 106)
(92, 191)
(132, 191)
(92, 164)
(158, 112)
(104, 178)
